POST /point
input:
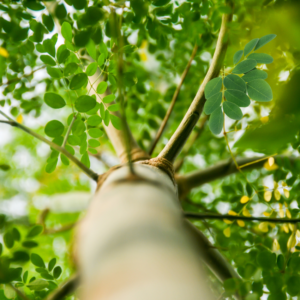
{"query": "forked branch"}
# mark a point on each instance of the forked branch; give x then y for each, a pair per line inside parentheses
(178, 139)
(174, 98)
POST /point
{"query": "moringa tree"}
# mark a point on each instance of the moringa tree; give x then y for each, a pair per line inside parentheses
(147, 104)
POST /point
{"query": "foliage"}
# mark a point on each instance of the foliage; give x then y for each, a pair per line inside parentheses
(60, 76)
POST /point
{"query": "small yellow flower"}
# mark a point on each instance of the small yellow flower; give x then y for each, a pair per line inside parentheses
(266, 214)
(227, 232)
(277, 195)
(291, 241)
(288, 213)
(228, 221)
(241, 223)
(276, 246)
(267, 196)
(19, 119)
(264, 119)
(285, 228)
(246, 212)
(244, 199)
(286, 193)
(3, 52)
(232, 213)
(263, 226)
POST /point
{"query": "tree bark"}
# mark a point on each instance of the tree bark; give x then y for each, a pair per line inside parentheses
(135, 244)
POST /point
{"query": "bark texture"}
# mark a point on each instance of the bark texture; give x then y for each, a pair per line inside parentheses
(135, 244)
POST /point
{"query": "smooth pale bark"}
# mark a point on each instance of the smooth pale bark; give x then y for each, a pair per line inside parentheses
(134, 243)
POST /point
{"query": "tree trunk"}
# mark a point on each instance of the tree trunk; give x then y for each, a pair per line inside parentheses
(134, 244)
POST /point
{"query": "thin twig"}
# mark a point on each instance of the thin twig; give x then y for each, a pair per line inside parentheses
(121, 92)
(69, 131)
(59, 230)
(175, 96)
(65, 289)
(199, 216)
(20, 294)
(178, 139)
(25, 76)
(84, 168)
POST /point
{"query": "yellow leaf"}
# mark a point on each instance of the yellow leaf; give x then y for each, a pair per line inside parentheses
(246, 212)
(264, 119)
(291, 227)
(288, 213)
(291, 241)
(266, 214)
(3, 52)
(283, 183)
(286, 193)
(19, 119)
(270, 168)
(263, 226)
(144, 44)
(285, 228)
(143, 56)
(298, 233)
(276, 246)
(277, 195)
(241, 223)
(267, 196)
(244, 199)
(227, 221)
(281, 213)
(232, 213)
(227, 232)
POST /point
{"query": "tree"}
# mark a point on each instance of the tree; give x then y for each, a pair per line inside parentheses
(146, 104)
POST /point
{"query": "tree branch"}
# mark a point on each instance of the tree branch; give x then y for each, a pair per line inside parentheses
(201, 216)
(178, 139)
(178, 164)
(65, 289)
(174, 98)
(84, 168)
(220, 170)
(69, 131)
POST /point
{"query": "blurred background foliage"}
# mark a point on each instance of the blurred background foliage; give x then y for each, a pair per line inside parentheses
(38, 208)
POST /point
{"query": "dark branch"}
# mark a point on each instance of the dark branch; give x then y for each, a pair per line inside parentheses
(201, 216)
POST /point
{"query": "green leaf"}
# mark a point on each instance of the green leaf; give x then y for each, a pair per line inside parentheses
(37, 260)
(66, 31)
(16, 234)
(266, 260)
(64, 159)
(62, 55)
(57, 271)
(78, 127)
(101, 88)
(216, 121)
(250, 46)
(78, 81)
(264, 40)
(54, 100)
(48, 22)
(232, 110)
(70, 69)
(213, 87)
(280, 262)
(34, 5)
(116, 121)
(85, 159)
(51, 264)
(4, 167)
(114, 107)
(237, 97)
(91, 69)
(91, 49)
(48, 60)
(244, 66)
(34, 231)
(85, 103)
(51, 165)
(293, 285)
(237, 56)
(234, 82)
(94, 120)
(54, 72)
(29, 244)
(103, 49)
(230, 285)
(95, 132)
(259, 90)
(109, 98)
(101, 59)
(160, 2)
(261, 58)
(25, 276)
(255, 74)
(93, 143)
(38, 284)
(212, 103)
(8, 239)
(54, 128)
(49, 46)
